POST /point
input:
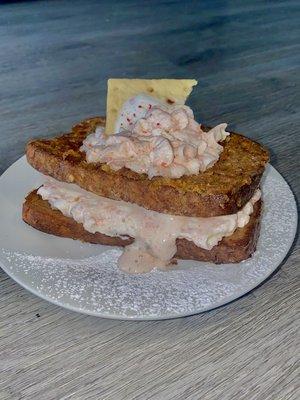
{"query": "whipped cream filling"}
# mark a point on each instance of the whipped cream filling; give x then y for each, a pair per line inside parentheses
(154, 233)
(156, 139)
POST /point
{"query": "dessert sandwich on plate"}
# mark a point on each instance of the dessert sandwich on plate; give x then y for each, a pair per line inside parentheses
(151, 179)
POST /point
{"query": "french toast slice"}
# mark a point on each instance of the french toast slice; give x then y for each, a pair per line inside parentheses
(222, 189)
(232, 249)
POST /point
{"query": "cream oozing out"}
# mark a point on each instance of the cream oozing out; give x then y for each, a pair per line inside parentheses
(156, 139)
(155, 233)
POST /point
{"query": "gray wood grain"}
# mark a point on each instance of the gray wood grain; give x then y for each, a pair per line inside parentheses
(55, 59)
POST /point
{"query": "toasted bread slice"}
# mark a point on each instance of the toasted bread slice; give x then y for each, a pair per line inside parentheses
(222, 189)
(235, 248)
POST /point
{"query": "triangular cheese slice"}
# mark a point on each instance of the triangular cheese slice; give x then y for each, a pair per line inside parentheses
(170, 91)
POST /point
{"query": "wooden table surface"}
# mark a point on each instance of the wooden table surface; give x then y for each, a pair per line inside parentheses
(55, 58)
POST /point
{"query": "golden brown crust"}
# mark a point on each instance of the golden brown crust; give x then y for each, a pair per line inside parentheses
(222, 189)
(235, 248)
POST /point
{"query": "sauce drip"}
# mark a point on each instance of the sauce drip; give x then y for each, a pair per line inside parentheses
(155, 233)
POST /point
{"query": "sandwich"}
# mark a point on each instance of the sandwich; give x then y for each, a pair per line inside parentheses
(150, 179)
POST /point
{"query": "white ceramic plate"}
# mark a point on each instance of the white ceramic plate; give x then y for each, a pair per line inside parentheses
(85, 277)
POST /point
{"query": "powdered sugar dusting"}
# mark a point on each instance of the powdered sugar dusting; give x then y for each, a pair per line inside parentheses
(95, 285)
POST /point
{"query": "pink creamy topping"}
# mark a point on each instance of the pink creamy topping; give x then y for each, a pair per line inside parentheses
(157, 140)
(155, 234)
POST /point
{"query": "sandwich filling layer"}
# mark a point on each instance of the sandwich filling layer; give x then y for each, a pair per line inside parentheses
(155, 233)
(156, 139)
